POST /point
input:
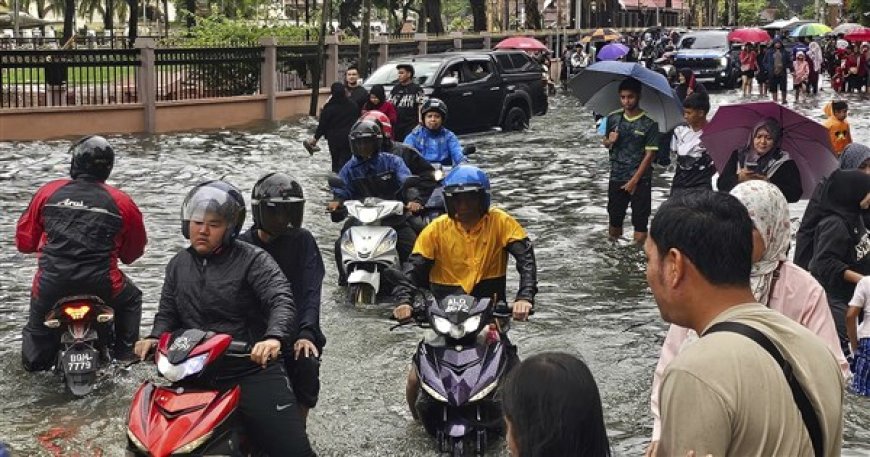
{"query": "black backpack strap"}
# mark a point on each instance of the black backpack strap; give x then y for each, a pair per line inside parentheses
(808, 414)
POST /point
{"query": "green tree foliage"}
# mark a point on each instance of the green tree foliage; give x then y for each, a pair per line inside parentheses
(857, 11)
(218, 30)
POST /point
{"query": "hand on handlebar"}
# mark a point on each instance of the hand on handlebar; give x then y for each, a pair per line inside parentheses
(332, 206)
(521, 309)
(265, 350)
(403, 312)
(143, 347)
(414, 207)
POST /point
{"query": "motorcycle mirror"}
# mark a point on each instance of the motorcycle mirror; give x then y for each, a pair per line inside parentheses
(335, 182)
(469, 149)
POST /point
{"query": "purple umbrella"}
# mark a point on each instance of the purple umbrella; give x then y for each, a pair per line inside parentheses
(805, 140)
(612, 51)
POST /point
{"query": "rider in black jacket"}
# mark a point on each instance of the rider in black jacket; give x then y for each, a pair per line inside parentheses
(277, 205)
(221, 285)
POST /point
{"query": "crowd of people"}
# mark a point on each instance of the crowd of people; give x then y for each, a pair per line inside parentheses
(717, 264)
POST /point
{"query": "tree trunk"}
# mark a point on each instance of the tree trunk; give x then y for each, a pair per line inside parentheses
(533, 15)
(321, 58)
(365, 39)
(190, 17)
(347, 11)
(478, 11)
(69, 14)
(433, 14)
(109, 17)
(133, 21)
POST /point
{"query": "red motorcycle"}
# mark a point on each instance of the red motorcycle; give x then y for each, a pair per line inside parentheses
(185, 417)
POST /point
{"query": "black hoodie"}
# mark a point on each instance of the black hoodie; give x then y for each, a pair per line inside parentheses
(840, 239)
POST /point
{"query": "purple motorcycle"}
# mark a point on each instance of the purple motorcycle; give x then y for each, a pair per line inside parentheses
(460, 364)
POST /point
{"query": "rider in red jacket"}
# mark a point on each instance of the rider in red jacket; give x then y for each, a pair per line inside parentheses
(80, 228)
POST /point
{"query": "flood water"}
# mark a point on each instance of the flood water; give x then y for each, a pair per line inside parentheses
(593, 301)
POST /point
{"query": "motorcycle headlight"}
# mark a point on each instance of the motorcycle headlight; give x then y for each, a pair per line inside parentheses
(483, 393)
(471, 324)
(191, 446)
(368, 215)
(184, 369)
(386, 244)
(347, 242)
(432, 393)
(136, 441)
(442, 326)
(723, 61)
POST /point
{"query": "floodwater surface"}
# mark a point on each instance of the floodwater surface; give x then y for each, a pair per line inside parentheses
(593, 301)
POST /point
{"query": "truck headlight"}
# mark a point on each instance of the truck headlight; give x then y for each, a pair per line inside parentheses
(723, 61)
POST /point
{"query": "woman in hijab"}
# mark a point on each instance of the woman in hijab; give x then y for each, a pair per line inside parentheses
(378, 102)
(762, 158)
(840, 242)
(855, 157)
(336, 118)
(687, 84)
(776, 283)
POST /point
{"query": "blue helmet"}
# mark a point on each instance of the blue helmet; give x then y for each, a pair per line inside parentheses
(466, 178)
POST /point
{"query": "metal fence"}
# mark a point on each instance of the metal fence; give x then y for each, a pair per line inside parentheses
(440, 45)
(295, 67)
(68, 78)
(184, 74)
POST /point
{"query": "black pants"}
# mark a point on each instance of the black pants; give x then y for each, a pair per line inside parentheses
(640, 201)
(406, 236)
(304, 374)
(39, 344)
(838, 312)
(339, 152)
(270, 414)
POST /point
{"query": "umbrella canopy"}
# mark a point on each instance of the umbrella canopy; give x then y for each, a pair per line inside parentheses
(749, 35)
(605, 34)
(846, 28)
(862, 34)
(805, 140)
(597, 88)
(612, 51)
(811, 29)
(521, 42)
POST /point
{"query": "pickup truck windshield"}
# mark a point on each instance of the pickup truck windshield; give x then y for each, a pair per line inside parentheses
(424, 74)
(704, 41)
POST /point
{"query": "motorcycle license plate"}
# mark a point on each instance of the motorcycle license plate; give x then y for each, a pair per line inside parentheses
(76, 361)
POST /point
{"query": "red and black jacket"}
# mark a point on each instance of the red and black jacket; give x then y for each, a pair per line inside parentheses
(80, 228)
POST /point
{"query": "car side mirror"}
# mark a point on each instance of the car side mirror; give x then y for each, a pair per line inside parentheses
(449, 81)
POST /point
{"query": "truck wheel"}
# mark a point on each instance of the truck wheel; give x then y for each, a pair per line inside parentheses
(516, 119)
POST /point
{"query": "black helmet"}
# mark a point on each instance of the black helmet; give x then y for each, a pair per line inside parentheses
(218, 197)
(435, 104)
(366, 138)
(277, 204)
(92, 156)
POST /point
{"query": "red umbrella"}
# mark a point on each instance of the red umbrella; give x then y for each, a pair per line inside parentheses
(521, 42)
(862, 34)
(749, 35)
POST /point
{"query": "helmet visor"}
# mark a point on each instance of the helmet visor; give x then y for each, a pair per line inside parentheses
(365, 146)
(277, 216)
(208, 202)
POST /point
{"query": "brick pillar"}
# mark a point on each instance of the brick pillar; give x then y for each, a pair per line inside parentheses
(331, 67)
(268, 75)
(422, 41)
(457, 40)
(487, 40)
(146, 85)
(383, 49)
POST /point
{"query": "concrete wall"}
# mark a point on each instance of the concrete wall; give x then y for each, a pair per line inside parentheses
(26, 124)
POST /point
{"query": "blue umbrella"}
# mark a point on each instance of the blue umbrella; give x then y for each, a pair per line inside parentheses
(597, 88)
(612, 51)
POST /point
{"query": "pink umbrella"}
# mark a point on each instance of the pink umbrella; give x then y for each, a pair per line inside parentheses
(805, 140)
(521, 42)
(749, 35)
(862, 34)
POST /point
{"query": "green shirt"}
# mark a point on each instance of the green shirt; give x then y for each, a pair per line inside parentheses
(636, 136)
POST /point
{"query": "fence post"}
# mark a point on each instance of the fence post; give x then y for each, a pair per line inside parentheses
(331, 59)
(383, 49)
(487, 40)
(457, 40)
(422, 40)
(146, 86)
(268, 73)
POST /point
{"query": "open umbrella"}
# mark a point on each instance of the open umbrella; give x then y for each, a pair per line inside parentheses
(605, 34)
(857, 35)
(749, 35)
(521, 42)
(597, 88)
(805, 140)
(811, 29)
(846, 28)
(612, 51)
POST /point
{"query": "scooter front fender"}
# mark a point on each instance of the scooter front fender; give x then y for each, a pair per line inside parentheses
(362, 276)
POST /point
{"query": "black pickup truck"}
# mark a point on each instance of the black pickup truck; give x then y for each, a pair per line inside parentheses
(482, 89)
(709, 55)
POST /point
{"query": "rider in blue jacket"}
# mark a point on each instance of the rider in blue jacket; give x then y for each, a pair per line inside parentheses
(435, 143)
